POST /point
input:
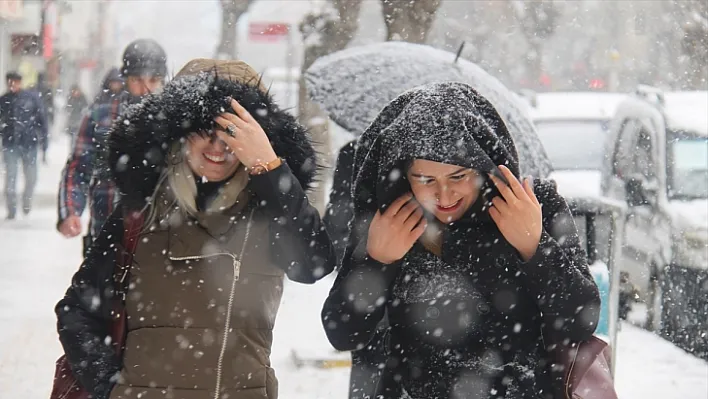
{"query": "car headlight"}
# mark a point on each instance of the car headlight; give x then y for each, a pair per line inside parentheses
(696, 238)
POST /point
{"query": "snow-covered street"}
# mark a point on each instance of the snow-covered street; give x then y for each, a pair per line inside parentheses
(37, 263)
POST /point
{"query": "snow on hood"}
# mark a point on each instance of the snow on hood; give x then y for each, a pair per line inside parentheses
(578, 183)
(688, 111)
(442, 122)
(690, 215)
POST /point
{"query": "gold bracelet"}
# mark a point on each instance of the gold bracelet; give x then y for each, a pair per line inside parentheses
(266, 167)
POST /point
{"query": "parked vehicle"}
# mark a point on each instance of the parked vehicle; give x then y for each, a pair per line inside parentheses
(600, 222)
(572, 127)
(657, 163)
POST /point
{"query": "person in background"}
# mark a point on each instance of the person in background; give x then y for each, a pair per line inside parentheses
(340, 208)
(113, 84)
(365, 370)
(76, 105)
(46, 93)
(224, 206)
(23, 128)
(85, 177)
(478, 270)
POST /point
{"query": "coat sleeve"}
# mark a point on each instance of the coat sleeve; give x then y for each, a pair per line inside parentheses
(340, 208)
(558, 275)
(3, 116)
(299, 241)
(356, 304)
(77, 174)
(42, 124)
(84, 314)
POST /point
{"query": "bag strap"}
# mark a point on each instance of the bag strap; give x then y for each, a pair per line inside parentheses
(132, 225)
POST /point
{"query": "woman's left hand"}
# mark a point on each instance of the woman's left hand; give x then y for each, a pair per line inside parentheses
(518, 215)
(249, 142)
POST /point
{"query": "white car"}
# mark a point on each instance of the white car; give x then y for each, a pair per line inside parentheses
(573, 127)
(657, 164)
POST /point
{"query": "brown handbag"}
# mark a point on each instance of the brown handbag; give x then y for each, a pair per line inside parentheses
(586, 370)
(65, 385)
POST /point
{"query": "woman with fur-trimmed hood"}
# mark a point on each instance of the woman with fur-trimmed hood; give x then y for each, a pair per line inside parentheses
(218, 173)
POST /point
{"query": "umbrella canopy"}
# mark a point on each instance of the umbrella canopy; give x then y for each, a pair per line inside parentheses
(353, 85)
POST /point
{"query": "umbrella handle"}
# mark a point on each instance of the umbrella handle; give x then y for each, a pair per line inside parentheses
(459, 52)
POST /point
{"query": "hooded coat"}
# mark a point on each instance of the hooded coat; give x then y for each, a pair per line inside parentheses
(105, 93)
(475, 321)
(204, 288)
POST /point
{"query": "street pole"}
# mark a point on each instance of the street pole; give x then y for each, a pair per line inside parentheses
(100, 30)
(42, 29)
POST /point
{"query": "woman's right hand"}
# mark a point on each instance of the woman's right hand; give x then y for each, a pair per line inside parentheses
(393, 233)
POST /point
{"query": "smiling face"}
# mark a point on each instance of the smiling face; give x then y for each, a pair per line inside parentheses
(211, 159)
(447, 191)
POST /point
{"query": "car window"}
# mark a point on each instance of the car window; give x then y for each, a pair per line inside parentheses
(687, 167)
(623, 159)
(574, 145)
(644, 162)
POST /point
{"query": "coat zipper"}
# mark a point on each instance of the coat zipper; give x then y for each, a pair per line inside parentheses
(232, 293)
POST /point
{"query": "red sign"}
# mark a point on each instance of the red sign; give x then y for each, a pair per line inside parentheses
(50, 19)
(268, 31)
(87, 64)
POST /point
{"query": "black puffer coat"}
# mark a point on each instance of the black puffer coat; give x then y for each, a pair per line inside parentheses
(468, 324)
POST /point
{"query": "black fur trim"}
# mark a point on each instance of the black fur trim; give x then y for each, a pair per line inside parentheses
(140, 139)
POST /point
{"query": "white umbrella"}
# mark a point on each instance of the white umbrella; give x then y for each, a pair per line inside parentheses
(353, 85)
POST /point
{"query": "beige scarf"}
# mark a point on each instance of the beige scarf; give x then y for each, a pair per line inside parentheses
(181, 181)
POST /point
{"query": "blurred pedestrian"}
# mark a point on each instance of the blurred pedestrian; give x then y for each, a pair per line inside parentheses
(113, 84)
(340, 208)
(24, 130)
(46, 94)
(476, 269)
(85, 178)
(76, 106)
(217, 183)
(365, 370)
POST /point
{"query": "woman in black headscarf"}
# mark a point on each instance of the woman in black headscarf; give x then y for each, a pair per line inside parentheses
(476, 269)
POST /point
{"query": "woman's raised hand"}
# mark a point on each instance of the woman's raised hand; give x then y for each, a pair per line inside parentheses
(517, 214)
(393, 233)
(244, 136)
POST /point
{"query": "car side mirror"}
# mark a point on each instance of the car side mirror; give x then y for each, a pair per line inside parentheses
(639, 192)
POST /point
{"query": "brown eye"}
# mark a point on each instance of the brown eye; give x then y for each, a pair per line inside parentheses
(458, 177)
(424, 180)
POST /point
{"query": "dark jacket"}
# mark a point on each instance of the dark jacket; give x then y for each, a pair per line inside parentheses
(85, 179)
(75, 107)
(338, 215)
(23, 122)
(468, 324)
(189, 282)
(340, 208)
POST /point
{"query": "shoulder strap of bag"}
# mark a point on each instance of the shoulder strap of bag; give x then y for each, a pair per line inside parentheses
(132, 225)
